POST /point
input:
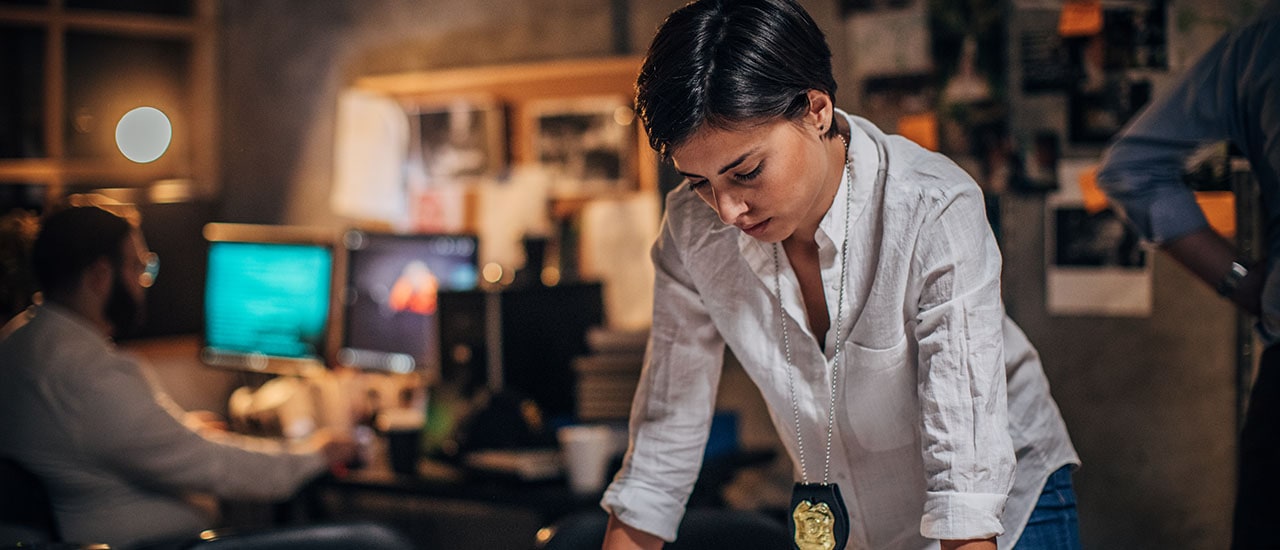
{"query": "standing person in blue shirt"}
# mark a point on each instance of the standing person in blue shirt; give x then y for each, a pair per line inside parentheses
(1232, 93)
(855, 277)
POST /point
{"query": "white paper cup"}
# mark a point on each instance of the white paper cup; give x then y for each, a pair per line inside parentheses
(586, 451)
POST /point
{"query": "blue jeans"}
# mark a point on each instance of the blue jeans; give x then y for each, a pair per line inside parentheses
(1053, 524)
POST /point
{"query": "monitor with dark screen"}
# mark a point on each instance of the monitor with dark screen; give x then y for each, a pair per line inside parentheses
(391, 297)
(267, 298)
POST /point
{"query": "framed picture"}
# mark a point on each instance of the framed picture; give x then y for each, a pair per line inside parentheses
(1035, 167)
(588, 144)
(903, 32)
(456, 141)
(1095, 263)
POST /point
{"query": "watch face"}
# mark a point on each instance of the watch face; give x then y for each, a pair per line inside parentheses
(1231, 281)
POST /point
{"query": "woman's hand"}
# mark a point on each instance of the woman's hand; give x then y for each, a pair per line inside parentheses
(204, 423)
(982, 544)
(621, 536)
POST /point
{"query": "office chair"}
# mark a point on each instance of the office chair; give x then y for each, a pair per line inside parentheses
(701, 529)
(26, 513)
(26, 519)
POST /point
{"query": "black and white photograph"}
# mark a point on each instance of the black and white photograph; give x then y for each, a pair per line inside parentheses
(588, 144)
(1095, 239)
(1035, 167)
(1095, 265)
(458, 141)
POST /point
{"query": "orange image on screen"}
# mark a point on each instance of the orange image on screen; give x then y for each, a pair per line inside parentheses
(414, 290)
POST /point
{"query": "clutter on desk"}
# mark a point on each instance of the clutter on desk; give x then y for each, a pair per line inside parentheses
(586, 450)
(523, 464)
(502, 420)
(364, 404)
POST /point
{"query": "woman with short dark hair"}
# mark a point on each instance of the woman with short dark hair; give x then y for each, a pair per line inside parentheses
(855, 277)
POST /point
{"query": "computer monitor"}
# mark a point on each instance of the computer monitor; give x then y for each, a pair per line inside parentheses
(391, 297)
(268, 296)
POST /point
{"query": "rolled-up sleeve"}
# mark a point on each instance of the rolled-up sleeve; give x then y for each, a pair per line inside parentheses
(673, 405)
(968, 454)
(1142, 169)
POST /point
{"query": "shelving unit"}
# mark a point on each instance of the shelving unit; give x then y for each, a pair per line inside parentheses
(97, 60)
(517, 85)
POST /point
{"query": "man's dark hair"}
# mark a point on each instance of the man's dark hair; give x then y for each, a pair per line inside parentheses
(728, 62)
(73, 239)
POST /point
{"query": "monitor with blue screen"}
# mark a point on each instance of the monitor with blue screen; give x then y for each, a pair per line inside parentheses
(391, 297)
(267, 298)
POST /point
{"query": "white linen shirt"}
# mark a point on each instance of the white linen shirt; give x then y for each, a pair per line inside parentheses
(925, 442)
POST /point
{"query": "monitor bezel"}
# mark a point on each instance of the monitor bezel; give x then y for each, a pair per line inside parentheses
(283, 235)
(342, 290)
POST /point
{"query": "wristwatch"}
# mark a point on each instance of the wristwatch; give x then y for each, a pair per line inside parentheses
(1231, 280)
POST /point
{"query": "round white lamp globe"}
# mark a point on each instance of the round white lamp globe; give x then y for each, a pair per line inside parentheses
(143, 134)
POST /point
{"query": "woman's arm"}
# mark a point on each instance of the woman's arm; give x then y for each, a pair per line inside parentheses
(621, 536)
(984, 544)
(675, 397)
(966, 448)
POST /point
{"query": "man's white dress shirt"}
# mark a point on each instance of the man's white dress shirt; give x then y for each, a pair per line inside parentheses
(119, 464)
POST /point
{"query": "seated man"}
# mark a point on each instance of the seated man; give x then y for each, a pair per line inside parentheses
(119, 463)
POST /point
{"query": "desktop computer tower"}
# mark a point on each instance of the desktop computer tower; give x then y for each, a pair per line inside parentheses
(522, 340)
(173, 231)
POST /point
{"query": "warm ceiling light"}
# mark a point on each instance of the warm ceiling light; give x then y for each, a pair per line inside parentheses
(143, 134)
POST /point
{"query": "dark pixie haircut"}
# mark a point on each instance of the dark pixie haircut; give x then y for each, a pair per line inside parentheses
(729, 62)
(73, 239)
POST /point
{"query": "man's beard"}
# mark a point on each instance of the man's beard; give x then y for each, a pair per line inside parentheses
(122, 310)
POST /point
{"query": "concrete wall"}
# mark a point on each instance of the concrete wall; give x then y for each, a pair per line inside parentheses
(1149, 401)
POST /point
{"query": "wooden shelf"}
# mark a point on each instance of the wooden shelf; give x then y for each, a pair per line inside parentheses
(54, 172)
(514, 83)
(58, 169)
(108, 22)
(517, 85)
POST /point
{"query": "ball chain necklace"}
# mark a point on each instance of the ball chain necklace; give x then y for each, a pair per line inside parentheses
(819, 519)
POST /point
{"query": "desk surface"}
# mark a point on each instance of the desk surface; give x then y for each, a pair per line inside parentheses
(549, 499)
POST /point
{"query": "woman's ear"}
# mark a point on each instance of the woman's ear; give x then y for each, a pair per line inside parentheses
(820, 110)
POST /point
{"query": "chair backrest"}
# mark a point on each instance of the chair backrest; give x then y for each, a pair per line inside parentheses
(327, 536)
(26, 512)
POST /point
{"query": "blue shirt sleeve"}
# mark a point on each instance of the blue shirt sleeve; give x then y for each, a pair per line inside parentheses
(1142, 169)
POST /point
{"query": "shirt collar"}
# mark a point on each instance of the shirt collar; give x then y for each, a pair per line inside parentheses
(70, 322)
(864, 163)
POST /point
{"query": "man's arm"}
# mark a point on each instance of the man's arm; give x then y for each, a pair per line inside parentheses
(1209, 257)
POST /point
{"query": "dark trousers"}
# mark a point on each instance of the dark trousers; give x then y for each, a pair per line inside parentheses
(1257, 512)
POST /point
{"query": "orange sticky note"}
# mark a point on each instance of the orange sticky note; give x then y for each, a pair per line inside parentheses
(1094, 199)
(1220, 209)
(1080, 18)
(921, 128)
